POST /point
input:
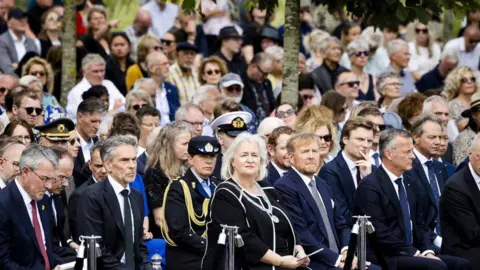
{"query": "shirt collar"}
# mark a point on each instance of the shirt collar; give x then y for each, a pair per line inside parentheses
(83, 142)
(2, 184)
(280, 171)
(116, 186)
(476, 177)
(26, 198)
(392, 176)
(305, 178)
(351, 165)
(420, 157)
(14, 37)
(461, 46)
(200, 180)
(94, 179)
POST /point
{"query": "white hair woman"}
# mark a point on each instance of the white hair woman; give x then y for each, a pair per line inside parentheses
(358, 52)
(261, 221)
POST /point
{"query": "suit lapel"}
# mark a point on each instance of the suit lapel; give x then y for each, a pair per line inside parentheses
(472, 186)
(272, 172)
(418, 167)
(441, 174)
(44, 216)
(136, 210)
(326, 202)
(112, 203)
(387, 186)
(347, 176)
(11, 48)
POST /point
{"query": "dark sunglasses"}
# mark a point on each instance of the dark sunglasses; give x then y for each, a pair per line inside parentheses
(30, 110)
(418, 31)
(306, 97)
(351, 83)
(157, 48)
(72, 141)
(37, 73)
(384, 127)
(236, 89)
(288, 112)
(358, 54)
(3, 90)
(167, 42)
(214, 71)
(137, 107)
(326, 138)
(468, 80)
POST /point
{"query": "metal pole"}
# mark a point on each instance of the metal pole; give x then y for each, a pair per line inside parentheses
(91, 251)
(362, 245)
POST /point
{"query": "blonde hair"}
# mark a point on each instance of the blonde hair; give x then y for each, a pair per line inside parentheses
(411, 37)
(453, 81)
(313, 124)
(227, 168)
(312, 41)
(143, 47)
(137, 94)
(163, 153)
(48, 70)
(311, 112)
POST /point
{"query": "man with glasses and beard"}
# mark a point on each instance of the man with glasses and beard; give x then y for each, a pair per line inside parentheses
(56, 133)
(27, 106)
(10, 151)
(183, 73)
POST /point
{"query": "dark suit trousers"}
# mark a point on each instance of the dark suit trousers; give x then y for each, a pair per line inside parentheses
(420, 263)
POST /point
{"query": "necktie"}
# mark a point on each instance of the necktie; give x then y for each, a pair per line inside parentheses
(359, 176)
(206, 187)
(323, 212)
(38, 234)
(129, 258)
(435, 191)
(376, 159)
(212, 188)
(405, 211)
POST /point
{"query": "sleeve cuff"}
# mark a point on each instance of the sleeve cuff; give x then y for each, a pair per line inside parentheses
(428, 251)
(337, 263)
(343, 249)
(416, 254)
(69, 241)
(438, 241)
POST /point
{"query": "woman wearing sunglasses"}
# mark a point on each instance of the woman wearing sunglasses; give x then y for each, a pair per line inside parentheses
(41, 69)
(287, 113)
(73, 144)
(137, 99)
(359, 52)
(211, 70)
(325, 130)
(424, 51)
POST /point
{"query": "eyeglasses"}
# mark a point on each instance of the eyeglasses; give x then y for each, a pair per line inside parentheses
(137, 107)
(3, 90)
(307, 97)
(214, 71)
(358, 54)
(45, 179)
(384, 127)
(157, 48)
(15, 164)
(25, 138)
(167, 42)
(234, 88)
(288, 112)
(37, 73)
(424, 30)
(394, 84)
(326, 138)
(30, 110)
(351, 83)
(468, 80)
(195, 124)
(73, 140)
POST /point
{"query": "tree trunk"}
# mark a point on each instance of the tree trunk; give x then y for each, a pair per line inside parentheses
(69, 72)
(448, 19)
(291, 50)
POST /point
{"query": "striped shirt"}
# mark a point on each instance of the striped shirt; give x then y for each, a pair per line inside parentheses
(186, 82)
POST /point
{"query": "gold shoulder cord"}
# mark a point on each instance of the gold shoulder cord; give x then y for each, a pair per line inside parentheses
(193, 217)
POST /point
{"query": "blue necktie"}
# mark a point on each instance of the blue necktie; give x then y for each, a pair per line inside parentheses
(376, 159)
(435, 191)
(206, 187)
(212, 189)
(405, 211)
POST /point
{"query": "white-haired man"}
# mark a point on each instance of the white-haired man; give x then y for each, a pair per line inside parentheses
(399, 55)
(93, 67)
(435, 78)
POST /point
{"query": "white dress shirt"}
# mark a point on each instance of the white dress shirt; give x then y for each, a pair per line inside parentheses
(27, 201)
(74, 97)
(162, 20)
(352, 167)
(372, 160)
(279, 170)
(161, 103)
(86, 146)
(2, 184)
(469, 59)
(204, 183)
(423, 159)
(117, 188)
(476, 177)
(19, 45)
(421, 62)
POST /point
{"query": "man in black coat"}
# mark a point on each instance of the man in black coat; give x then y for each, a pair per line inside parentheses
(460, 210)
(277, 150)
(388, 197)
(114, 211)
(325, 75)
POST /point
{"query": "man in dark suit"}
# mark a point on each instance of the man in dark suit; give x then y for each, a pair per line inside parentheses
(345, 171)
(325, 75)
(10, 151)
(309, 201)
(430, 174)
(89, 116)
(25, 219)
(460, 210)
(277, 150)
(388, 197)
(114, 211)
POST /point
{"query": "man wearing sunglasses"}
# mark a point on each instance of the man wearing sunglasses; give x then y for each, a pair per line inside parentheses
(7, 83)
(467, 47)
(55, 133)
(27, 106)
(399, 54)
(347, 85)
(26, 215)
(10, 151)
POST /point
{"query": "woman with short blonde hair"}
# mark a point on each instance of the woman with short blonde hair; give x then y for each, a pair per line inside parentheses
(145, 45)
(136, 99)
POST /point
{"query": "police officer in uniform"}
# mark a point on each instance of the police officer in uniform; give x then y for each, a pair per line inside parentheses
(226, 127)
(55, 133)
(186, 203)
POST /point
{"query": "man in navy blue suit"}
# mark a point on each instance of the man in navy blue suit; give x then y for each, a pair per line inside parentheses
(25, 220)
(277, 150)
(388, 197)
(309, 202)
(430, 175)
(345, 171)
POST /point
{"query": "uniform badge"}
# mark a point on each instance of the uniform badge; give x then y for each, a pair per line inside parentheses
(238, 123)
(208, 148)
(43, 207)
(61, 128)
(194, 185)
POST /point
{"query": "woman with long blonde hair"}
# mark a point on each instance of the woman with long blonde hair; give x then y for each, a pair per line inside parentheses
(424, 51)
(166, 163)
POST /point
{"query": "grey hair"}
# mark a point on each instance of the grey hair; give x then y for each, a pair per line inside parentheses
(417, 127)
(137, 94)
(141, 81)
(202, 93)
(227, 169)
(358, 44)
(381, 80)
(450, 54)
(35, 154)
(96, 147)
(324, 44)
(92, 59)
(312, 41)
(387, 139)
(28, 79)
(109, 146)
(395, 45)
(13, 75)
(181, 113)
(430, 101)
(275, 52)
(268, 125)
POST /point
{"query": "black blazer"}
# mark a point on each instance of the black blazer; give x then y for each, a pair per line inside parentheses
(460, 217)
(249, 100)
(19, 247)
(231, 205)
(324, 79)
(73, 206)
(376, 197)
(272, 174)
(190, 245)
(60, 245)
(142, 164)
(81, 172)
(100, 215)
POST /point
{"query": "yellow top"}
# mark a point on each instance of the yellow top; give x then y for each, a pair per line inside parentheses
(133, 75)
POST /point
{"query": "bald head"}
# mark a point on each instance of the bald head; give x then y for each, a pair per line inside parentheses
(158, 66)
(471, 36)
(142, 22)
